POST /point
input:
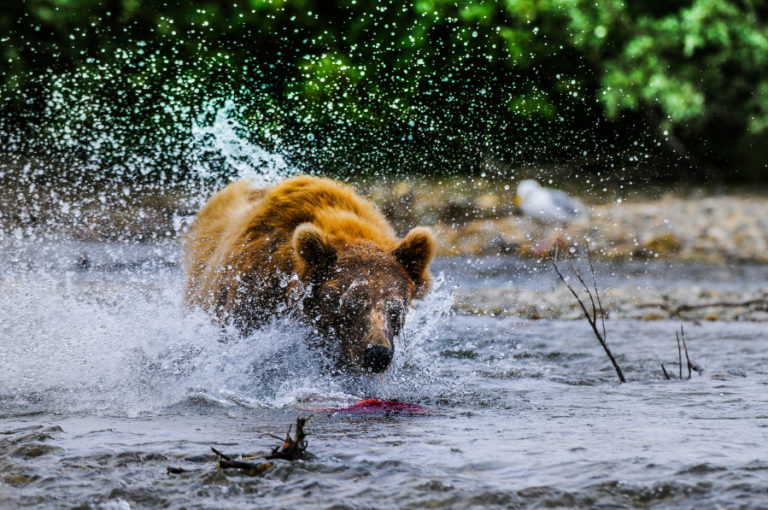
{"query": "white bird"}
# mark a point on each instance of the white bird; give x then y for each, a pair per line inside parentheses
(547, 205)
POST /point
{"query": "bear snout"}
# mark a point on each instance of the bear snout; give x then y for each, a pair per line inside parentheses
(377, 358)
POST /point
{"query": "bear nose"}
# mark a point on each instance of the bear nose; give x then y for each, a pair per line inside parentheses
(377, 358)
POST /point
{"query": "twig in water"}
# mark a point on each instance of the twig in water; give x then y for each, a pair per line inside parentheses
(295, 448)
(291, 449)
(221, 455)
(687, 359)
(691, 364)
(596, 308)
(250, 468)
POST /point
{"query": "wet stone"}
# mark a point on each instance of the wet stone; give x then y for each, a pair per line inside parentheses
(32, 450)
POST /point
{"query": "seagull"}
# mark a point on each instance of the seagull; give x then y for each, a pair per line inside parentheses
(548, 206)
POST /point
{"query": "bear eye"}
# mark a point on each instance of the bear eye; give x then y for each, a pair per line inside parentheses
(332, 294)
(395, 314)
(352, 306)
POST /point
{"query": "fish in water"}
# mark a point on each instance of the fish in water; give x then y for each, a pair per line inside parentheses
(376, 406)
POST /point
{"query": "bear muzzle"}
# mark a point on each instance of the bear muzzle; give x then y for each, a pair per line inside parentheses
(379, 342)
(377, 358)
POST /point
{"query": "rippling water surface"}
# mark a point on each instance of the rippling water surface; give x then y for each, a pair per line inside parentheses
(105, 382)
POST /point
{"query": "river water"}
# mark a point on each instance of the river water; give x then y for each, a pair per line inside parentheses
(105, 382)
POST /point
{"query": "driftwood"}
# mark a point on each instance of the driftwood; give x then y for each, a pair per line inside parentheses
(291, 449)
(760, 304)
(596, 309)
(250, 468)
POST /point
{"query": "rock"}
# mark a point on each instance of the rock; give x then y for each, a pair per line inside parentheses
(19, 479)
(663, 245)
(34, 450)
(487, 201)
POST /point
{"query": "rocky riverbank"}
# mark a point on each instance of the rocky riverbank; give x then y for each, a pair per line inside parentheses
(483, 220)
(697, 303)
(713, 229)
(476, 217)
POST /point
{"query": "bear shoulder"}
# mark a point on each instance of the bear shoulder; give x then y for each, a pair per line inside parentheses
(333, 207)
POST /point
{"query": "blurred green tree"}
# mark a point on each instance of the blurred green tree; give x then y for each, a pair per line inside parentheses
(427, 82)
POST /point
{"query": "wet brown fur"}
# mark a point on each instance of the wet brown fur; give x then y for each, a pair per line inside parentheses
(332, 248)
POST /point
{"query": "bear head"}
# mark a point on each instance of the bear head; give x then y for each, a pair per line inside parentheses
(358, 293)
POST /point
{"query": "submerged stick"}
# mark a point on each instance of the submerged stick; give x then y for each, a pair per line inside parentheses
(697, 367)
(596, 308)
(292, 448)
(691, 364)
(220, 455)
(687, 359)
(250, 468)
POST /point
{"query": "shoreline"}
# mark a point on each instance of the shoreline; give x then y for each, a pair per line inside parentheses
(469, 219)
(730, 228)
(725, 231)
(697, 303)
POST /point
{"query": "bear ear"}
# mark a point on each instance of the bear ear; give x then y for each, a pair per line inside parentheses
(415, 252)
(312, 248)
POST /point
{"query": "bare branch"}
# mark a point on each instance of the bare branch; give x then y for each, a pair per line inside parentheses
(591, 319)
(687, 359)
(597, 293)
(583, 283)
(568, 285)
(291, 449)
(691, 364)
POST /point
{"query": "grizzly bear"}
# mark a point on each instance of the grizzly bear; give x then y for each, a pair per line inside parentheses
(313, 247)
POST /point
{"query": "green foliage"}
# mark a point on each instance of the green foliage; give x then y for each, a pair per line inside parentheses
(475, 73)
(687, 65)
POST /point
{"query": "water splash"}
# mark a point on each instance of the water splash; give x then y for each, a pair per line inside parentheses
(227, 137)
(120, 342)
(91, 315)
(91, 174)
